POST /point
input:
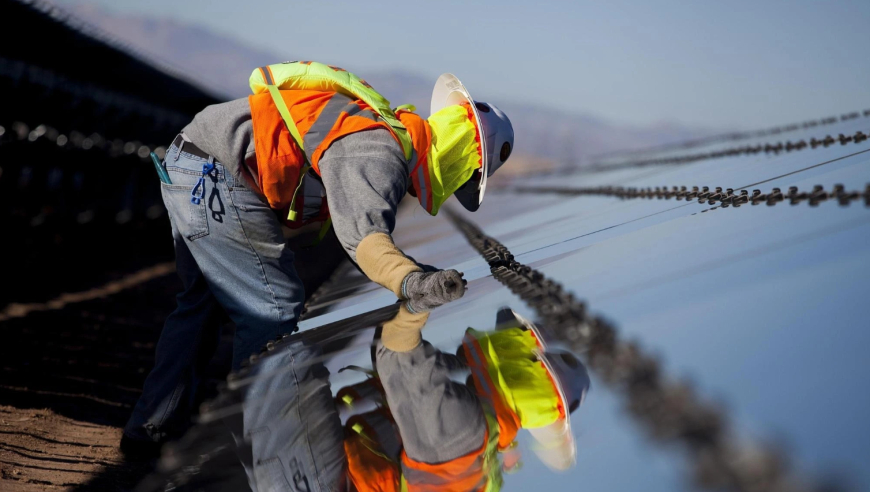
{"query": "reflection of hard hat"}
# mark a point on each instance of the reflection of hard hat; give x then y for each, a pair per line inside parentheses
(495, 130)
(554, 445)
(571, 376)
(568, 372)
(555, 442)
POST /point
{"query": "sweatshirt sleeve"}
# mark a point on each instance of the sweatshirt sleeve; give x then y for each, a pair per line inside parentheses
(365, 177)
(439, 419)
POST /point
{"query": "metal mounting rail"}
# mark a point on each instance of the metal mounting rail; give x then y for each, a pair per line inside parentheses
(670, 411)
(767, 148)
(726, 197)
(734, 136)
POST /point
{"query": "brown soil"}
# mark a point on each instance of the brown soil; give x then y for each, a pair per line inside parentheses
(41, 450)
(69, 375)
(72, 367)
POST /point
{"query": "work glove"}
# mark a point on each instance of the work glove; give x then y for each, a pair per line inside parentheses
(428, 290)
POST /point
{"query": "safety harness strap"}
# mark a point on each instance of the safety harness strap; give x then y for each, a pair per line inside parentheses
(288, 119)
(308, 75)
(294, 132)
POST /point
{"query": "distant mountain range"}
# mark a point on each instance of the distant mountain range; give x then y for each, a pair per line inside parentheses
(222, 65)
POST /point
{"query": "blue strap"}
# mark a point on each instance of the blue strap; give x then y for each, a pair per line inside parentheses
(200, 185)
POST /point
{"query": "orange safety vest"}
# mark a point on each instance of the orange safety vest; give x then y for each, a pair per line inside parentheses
(370, 469)
(321, 118)
(376, 462)
(464, 474)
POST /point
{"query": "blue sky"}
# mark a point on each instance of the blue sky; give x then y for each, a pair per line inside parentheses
(724, 64)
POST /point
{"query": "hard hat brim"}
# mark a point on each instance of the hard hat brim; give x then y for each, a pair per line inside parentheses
(448, 91)
(545, 358)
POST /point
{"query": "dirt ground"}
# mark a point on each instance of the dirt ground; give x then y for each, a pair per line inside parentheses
(72, 367)
(69, 375)
(42, 450)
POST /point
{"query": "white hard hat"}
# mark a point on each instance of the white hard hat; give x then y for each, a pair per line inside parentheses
(558, 450)
(554, 445)
(494, 126)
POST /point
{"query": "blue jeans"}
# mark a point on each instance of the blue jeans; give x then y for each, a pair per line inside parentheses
(230, 252)
(292, 436)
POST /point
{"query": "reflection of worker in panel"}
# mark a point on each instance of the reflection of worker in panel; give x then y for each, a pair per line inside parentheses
(411, 426)
(314, 145)
(434, 434)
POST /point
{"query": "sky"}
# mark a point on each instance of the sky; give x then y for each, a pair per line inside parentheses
(734, 64)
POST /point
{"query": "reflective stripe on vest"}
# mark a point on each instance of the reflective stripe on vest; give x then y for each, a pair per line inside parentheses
(308, 75)
(316, 134)
(337, 105)
(281, 161)
(325, 121)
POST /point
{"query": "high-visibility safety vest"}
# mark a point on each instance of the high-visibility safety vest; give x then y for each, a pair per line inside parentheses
(371, 469)
(298, 109)
(517, 391)
(377, 463)
(487, 385)
(506, 371)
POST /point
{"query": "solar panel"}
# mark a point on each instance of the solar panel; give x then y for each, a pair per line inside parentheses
(715, 291)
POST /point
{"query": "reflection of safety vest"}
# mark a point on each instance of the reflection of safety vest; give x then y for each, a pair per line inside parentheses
(376, 462)
(477, 471)
(372, 469)
(507, 372)
(309, 105)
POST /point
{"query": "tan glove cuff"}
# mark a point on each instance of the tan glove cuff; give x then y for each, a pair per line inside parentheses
(403, 333)
(383, 262)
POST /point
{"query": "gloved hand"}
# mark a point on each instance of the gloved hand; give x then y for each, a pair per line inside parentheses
(427, 290)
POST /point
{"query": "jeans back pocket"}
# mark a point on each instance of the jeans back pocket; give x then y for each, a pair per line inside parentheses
(190, 220)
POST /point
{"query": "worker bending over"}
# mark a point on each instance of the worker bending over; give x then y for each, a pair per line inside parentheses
(313, 144)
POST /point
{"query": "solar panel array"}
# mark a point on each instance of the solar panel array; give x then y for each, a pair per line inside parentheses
(718, 301)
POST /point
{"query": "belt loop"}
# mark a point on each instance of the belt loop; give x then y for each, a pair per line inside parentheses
(180, 146)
